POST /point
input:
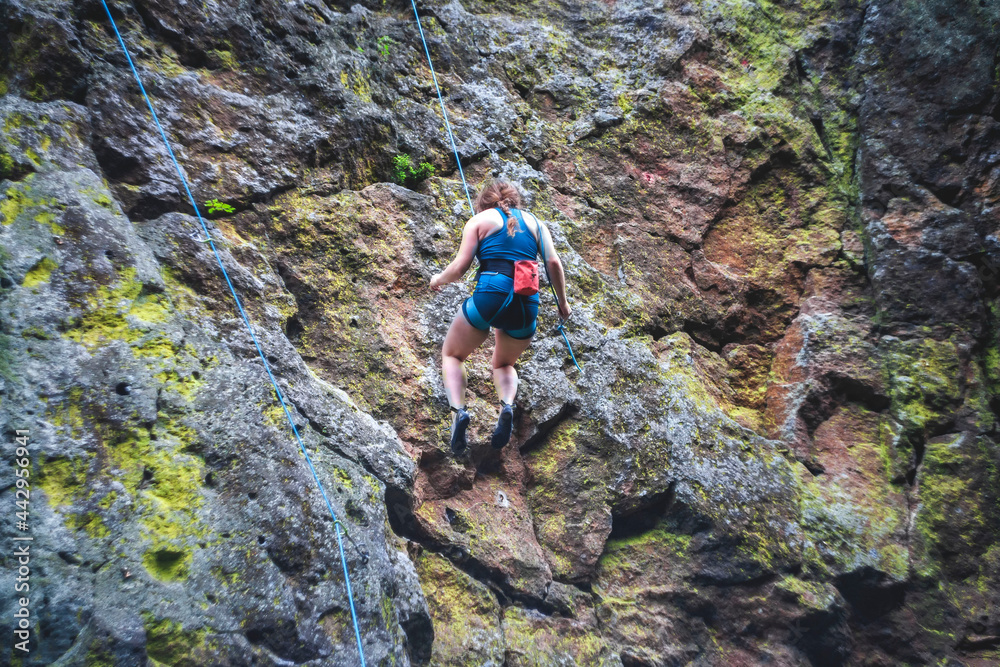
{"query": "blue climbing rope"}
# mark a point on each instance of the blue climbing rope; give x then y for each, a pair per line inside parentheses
(444, 111)
(562, 330)
(338, 527)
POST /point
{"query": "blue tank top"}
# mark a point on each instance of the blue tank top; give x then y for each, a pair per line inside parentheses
(501, 245)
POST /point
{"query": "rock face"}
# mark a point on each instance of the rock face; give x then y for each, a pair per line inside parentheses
(779, 222)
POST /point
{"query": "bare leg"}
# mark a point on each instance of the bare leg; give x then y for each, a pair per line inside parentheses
(505, 354)
(461, 341)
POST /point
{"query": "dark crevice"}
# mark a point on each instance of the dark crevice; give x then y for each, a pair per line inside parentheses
(313, 424)
(69, 557)
(817, 122)
(823, 637)
(782, 157)
(306, 300)
(840, 390)
(5, 45)
(280, 637)
(656, 328)
(16, 171)
(948, 194)
(800, 70)
(814, 467)
(702, 335)
(582, 585)
(294, 330)
(188, 52)
(753, 579)
(870, 593)
(631, 660)
(419, 631)
(399, 510)
(491, 578)
(405, 524)
(643, 518)
(505, 593)
(118, 167)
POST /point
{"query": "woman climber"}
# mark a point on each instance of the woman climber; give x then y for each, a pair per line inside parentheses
(499, 235)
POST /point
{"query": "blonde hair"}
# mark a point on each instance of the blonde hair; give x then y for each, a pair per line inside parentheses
(499, 193)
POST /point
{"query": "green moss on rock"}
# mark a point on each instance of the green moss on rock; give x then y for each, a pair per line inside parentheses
(62, 479)
(166, 484)
(922, 377)
(465, 614)
(536, 640)
(168, 643)
(950, 521)
(40, 273)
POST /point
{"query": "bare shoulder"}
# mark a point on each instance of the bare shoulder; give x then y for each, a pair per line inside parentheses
(534, 224)
(485, 222)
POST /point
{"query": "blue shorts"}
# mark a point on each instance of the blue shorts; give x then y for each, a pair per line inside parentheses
(518, 319)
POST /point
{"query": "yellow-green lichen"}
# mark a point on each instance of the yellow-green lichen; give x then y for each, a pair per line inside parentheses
(357, 82)
(465, 614)
(167, 564)
(123, 312)
(11, 206)
(6, 165)
(185, 385)
(224, 58)
(165, 482)
(546, 642)
(168, 643)
(105, 317)
(20, 201)
(922, 377)
(343, 478)
(39, 273)
(151, 308)
(90, 522)
(68, 413)
(810, 594)
(949, 517)
(62, 479)
(846, 532)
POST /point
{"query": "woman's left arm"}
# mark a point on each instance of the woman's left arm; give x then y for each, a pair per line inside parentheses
(463, 260)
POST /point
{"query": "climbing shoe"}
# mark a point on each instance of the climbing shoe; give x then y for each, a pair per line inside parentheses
(458, 426)
(501, 434)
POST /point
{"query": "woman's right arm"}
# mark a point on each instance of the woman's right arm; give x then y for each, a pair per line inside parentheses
(556, 273)
(463, 259)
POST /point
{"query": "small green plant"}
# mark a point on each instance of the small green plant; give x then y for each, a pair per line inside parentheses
(384, 45)
(404, 173)
(216, 206)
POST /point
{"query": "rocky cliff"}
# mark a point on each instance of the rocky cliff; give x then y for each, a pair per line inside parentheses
(779, 221)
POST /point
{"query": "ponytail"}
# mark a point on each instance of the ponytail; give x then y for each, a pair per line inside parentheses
(511, 220)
